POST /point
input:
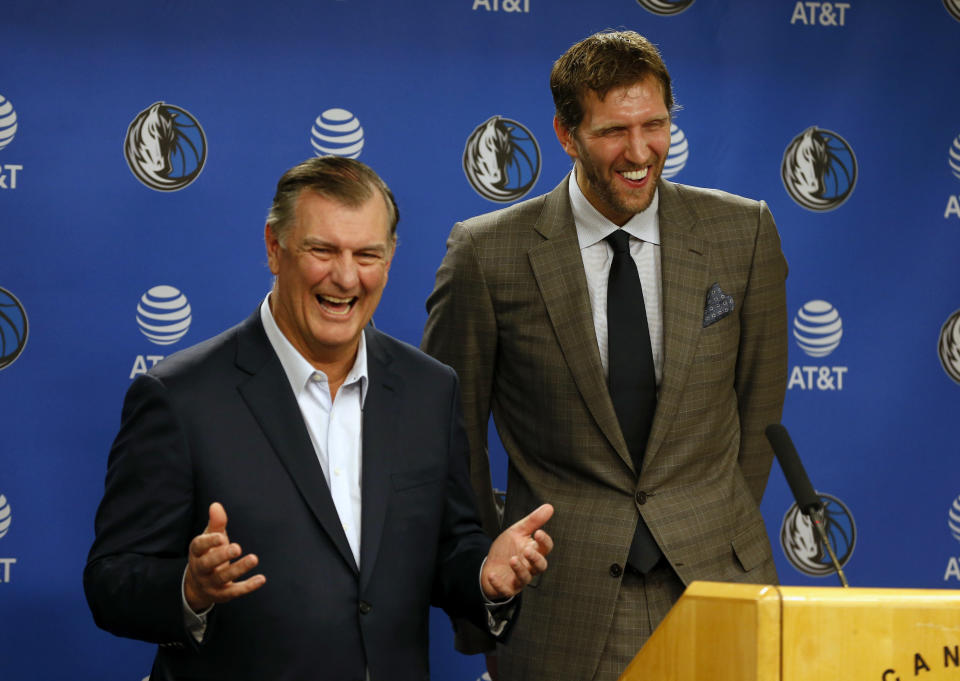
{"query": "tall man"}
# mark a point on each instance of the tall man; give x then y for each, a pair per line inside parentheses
(629, 336)
(340, 456)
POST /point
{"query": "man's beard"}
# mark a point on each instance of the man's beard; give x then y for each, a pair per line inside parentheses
(603, 189)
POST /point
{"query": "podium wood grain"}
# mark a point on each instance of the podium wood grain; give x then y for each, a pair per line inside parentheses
(747, 632)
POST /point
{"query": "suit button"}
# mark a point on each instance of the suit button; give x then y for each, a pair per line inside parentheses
(615, 570)
(365, 607)
(641, 498)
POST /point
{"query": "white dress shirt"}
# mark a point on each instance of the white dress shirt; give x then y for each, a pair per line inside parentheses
(597, 254)
(335, 425)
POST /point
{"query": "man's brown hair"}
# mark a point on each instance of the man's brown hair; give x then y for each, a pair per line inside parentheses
(344, 180)
(600, 63)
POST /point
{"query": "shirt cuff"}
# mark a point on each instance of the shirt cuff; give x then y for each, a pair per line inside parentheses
(195, 622)
(499, 612)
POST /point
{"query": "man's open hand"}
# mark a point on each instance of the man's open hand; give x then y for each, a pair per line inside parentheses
(517, 555)
(215, 565)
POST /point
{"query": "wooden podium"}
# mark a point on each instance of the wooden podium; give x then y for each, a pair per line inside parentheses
(750, 632)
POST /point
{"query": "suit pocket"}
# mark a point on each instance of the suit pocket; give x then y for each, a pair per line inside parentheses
(416, 478)
(752, 546)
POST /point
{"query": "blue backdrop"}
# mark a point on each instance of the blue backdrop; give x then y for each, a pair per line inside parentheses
(843, 116)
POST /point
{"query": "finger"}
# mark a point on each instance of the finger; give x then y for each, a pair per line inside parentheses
(203, 543)
(216, 557)
(544, 541)
(236, 589)
(536, 561)
(230, 572)
(218, 519)
(521, 572)
(535, 520)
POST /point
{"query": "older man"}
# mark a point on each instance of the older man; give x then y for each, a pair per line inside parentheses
(629, 336)
(338, 453)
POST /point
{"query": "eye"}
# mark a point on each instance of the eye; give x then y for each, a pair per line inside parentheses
(368, 257)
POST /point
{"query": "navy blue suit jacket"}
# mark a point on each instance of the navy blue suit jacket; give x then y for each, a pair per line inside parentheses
(219, 422)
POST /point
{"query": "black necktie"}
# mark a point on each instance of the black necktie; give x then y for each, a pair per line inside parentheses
(632, 379)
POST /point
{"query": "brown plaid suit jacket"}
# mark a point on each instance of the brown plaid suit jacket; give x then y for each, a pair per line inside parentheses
(510, 312)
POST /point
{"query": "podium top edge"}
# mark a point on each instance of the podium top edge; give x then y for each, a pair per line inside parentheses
(815, 593)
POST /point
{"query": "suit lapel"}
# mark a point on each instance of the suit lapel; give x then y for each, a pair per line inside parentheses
(558, 268)
(684, 274)
(268, 395)
(379, 433)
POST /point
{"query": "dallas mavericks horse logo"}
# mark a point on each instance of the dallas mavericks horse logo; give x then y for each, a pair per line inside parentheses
(14, 328)
(819, 169)
(949, 346)
(165, 147)
(501, 159)
(801, 543)
(665, 7)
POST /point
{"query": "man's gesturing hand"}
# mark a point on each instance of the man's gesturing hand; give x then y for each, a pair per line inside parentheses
(517, 555)
(211, 576)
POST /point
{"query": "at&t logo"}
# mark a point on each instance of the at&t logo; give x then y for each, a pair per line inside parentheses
(14, 328)
(501, 159)
(164, 316)
(953, 523)
(820, 13)
(817, 330)
(165, 147)
(6, 564)
(8, 129)
(949, 346)
(4, 516)
(678, 154)
(337, 132)
(503, 5)
(801, 543)
(953, 6)
(953, 160)
(819, 169)
(665, 7)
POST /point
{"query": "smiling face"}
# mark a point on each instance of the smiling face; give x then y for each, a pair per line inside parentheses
(330, 273)
(620, 147)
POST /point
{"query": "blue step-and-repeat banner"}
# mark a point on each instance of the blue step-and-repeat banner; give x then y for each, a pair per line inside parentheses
(843, 116)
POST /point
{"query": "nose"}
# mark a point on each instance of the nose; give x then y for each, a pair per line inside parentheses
(638, 148)
(344, 271)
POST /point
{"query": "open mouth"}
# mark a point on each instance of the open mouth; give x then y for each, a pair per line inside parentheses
(636, 175)
(337, 306)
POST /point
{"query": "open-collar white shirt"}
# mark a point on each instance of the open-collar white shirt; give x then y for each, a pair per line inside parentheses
(335, 425)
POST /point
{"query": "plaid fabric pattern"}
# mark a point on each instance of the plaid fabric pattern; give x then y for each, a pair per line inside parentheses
(511, 313)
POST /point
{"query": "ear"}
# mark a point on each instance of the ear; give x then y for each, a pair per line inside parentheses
(273, 249)
(565, 137)
(390, 253)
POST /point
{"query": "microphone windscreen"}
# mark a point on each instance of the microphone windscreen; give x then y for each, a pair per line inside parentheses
(793, 469)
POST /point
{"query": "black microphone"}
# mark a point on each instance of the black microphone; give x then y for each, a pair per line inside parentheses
(793, 470)
(807, 499)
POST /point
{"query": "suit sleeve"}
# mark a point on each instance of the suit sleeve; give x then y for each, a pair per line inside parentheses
(144, 525)
(463, 545)
(461, 332)
(761, 375)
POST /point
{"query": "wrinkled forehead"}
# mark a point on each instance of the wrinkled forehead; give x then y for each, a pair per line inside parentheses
(373, 210)
(620, 89)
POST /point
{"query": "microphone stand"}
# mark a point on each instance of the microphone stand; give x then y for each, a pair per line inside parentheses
(815, 513)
